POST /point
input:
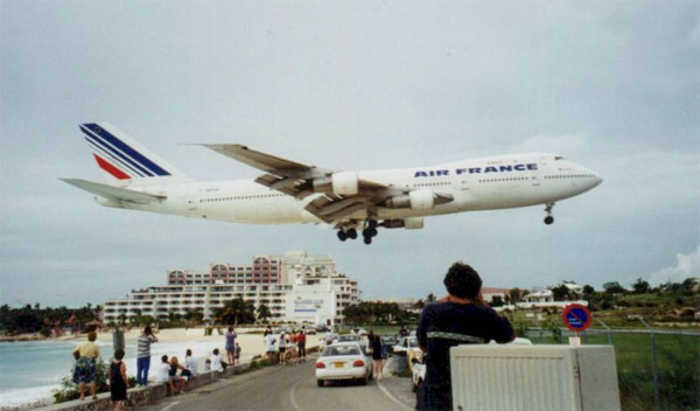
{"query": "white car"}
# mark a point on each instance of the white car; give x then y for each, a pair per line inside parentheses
(343, 361)
(405, 344)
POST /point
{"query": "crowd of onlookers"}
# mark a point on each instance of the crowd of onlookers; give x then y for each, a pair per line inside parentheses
(287, 347)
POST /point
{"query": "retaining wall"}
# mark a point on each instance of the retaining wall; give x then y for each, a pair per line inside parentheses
(153, 393)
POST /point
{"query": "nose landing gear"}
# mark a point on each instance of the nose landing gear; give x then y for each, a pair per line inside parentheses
(548, 209)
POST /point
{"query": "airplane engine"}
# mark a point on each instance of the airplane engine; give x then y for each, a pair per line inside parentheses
(413, 223)
(343, 183)
(415, 200)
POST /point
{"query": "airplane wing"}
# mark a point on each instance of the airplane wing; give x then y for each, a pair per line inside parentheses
(297, 180)
(114, 193)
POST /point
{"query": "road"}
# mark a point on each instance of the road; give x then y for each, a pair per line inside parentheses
(292, 388)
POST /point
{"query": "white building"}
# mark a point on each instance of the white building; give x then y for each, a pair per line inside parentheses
(294, 286)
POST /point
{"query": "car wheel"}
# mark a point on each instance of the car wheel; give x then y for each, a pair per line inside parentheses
(320, 383)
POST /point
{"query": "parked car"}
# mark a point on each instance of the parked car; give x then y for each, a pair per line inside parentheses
(404, 344)
(343, 361)
(388, 343)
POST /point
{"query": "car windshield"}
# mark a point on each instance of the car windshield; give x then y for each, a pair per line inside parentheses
(341, 350)
(348, 337)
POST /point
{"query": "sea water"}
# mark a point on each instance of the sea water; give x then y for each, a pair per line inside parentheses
(30, 371)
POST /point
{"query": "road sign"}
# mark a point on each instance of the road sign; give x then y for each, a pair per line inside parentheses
(576, 317)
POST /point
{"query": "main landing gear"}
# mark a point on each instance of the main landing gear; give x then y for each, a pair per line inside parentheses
(548, 209)
(368, 232)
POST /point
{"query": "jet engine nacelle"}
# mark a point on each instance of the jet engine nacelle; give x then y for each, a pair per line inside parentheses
(343, 183)
(413, 223)
(418, 200)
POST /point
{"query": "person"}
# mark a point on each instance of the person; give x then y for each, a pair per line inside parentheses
(175, 382)
(216, 363)
(143, 355)
(460, 317)
(231, 346)
(163, 371)
(270, 346)
(375, 344)
(118, 381)
(403, 332)
(86, 365)
(190, 364)
(238, 352)
(301, 341)
(283, 348)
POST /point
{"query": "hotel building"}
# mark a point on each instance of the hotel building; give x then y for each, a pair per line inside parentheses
(295, 286)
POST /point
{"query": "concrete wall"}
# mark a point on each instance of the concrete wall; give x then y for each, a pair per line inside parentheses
(153, 393)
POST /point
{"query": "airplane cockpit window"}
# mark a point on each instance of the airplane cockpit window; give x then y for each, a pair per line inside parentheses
(558, 158)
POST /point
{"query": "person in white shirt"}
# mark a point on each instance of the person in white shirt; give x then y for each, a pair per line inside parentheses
(269, 346)
(215, 359)
(162, 370)
(190, 363)
(283, 348)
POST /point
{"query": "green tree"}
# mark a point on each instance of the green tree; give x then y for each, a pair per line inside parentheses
(236, 311)
(263, 313)
(560, 293)
(515, 295)
(588, 290)
(496, 301)
(640, 286)
(613, 287)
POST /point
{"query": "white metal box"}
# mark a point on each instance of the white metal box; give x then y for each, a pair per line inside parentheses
(536, 377)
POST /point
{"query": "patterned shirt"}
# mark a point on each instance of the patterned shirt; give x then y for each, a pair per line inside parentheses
(144, 346)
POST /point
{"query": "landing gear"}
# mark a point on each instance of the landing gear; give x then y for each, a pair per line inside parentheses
(342, 236)
(548, 209)
(368, 240)
(369, 231)
(351, 233)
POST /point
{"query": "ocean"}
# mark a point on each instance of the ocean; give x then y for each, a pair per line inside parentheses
(29, 371)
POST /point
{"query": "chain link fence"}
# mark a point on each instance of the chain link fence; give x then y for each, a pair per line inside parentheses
(657, 369)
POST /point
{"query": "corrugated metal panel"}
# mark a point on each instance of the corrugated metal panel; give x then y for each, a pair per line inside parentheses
(544, 377)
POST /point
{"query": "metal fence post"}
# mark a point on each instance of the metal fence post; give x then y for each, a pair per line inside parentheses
(610, 336)
(654, 364)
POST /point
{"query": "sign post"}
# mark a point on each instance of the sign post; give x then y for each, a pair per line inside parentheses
(577, 318)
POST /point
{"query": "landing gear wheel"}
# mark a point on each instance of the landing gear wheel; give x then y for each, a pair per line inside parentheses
(341, 235)
(368, 240)
(548, 209)
(351, 233)
(372, 223)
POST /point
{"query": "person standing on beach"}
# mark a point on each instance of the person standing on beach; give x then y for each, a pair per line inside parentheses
(231, 346)
(190, 362)
(143, 355)
(269, 346)
(118, 381)
(86, 367)
(301, 341)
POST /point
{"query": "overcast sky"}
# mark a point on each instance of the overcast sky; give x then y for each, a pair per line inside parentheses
(614, 86)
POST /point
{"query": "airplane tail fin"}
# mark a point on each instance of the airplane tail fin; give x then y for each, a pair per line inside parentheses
(123, 160)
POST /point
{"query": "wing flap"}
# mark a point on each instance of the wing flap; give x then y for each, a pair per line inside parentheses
(114, 193)
(262, 161)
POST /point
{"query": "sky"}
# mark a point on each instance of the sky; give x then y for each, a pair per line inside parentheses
(614, 86)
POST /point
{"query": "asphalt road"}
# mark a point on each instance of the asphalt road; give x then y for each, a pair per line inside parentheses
(292, 388)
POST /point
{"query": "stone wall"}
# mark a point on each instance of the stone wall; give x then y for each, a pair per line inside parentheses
(153, 393)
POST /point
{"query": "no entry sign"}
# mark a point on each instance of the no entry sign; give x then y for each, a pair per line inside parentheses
(576, 317)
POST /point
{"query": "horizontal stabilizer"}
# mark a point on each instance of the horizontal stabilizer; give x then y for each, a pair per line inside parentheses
(114, 193)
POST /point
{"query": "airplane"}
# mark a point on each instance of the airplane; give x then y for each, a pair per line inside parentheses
(351, 201)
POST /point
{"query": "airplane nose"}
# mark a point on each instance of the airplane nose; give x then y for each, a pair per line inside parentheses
(597, 179)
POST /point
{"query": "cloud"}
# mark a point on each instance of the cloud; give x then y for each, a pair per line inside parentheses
(687, 265)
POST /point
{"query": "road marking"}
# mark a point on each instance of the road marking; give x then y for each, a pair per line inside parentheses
(170, 406)
(391, 397)
(292, 397)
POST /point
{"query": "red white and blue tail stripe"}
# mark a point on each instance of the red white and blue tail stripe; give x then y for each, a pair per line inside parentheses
(122, 158)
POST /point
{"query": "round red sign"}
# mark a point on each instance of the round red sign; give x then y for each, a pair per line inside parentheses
(576, 317)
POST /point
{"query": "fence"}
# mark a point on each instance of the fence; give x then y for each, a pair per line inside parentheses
(657, 369)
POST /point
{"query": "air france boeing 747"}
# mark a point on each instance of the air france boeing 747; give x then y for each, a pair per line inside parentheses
(351, 201)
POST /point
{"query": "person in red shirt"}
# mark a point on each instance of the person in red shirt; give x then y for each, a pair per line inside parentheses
(301, 342)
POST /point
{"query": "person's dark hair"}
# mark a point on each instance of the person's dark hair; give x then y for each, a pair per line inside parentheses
(164, 358)
(230, 329)
(92, 336)
(462, 281)
(188, 353)
(147, 330)
(216, 351)
(119, 354)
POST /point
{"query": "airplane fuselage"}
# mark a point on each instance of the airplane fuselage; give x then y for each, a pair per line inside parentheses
(499, 182)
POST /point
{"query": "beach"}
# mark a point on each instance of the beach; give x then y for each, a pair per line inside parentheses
(31, 370)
